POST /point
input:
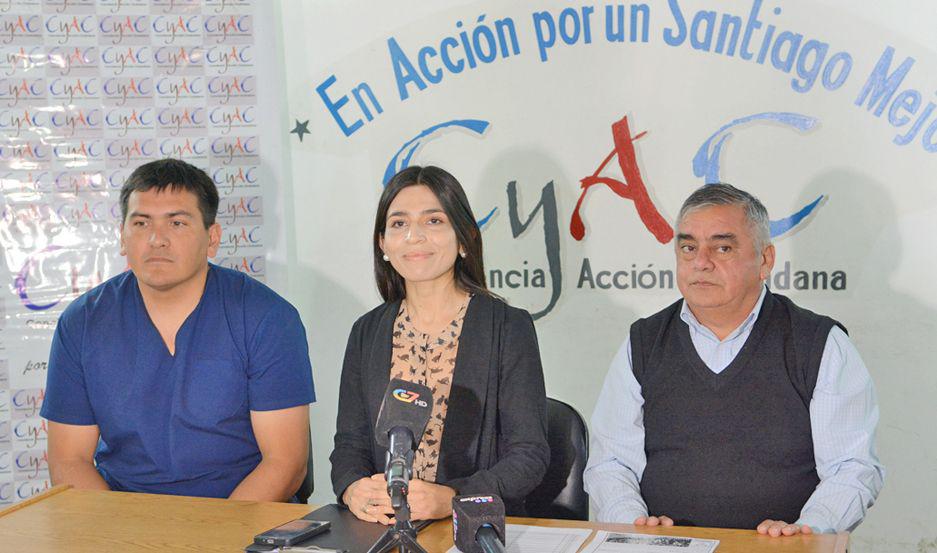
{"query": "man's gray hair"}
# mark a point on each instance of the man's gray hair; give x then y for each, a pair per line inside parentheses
(725, 194)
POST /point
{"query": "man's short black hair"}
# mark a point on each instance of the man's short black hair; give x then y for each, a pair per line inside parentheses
(174, 174)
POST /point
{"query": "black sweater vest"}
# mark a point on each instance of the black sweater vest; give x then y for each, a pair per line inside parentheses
(730, 450)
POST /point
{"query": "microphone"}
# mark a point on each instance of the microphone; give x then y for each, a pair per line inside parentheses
(403, 417)
(478, 523)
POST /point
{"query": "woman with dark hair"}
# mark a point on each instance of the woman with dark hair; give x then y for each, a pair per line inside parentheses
(440, 327)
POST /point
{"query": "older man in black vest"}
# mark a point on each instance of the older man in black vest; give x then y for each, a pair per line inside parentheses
(734, 407)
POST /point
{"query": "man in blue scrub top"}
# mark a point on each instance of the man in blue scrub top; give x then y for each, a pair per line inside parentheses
(178, 376)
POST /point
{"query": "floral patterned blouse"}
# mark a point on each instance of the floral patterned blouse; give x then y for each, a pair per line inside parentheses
(428, 360)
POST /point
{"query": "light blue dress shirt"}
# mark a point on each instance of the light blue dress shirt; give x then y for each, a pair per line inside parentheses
(843, 417)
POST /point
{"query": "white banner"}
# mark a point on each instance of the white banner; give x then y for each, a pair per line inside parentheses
(578, 129)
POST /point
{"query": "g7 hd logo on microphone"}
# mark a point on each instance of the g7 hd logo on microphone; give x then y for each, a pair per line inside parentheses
(409, 397)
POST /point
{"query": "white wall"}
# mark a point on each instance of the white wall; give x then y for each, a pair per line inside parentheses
(551, 121)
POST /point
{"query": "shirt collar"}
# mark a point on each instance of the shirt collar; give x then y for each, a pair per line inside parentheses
(687, 316)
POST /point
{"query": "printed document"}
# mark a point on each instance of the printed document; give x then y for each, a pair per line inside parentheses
(619, 542)
(540, 539)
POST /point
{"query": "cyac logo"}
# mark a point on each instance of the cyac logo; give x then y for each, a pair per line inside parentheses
(61, 267)
(66, 28)
(241, 148)
(15, 91)
(74, 89)
(232, 241)
(228, 117)
(221, 28)
(79, 151)
(77, 119)
(227, 179)
(174, 58)
(15, 121)
(21, 59)
(174, 89)
(122, 89)
(120, 58)
(186, 148)
(25, 155)
(67, 58)
(253, 266)
(632, 187)
(706, 164)
(18, 27)
(125, 150)
(171, 28)
(31, 487)
(30, 432)
(76, 182)
(175, 120)
(121, 29)
(25, 182)
(28, 402)
(222, 58)
(233, 209)
(125, 120)
(226, 88)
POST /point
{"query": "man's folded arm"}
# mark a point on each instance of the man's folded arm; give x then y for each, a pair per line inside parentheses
(71, 456)
(280, 390)
(283, 439)
(843, 416)
(617, 458)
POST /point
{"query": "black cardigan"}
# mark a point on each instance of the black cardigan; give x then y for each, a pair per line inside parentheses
(495, 435)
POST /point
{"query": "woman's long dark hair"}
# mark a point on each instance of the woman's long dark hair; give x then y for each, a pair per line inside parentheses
(470, 270)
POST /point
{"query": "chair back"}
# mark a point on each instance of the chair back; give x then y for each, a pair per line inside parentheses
(561, 493)
(308, 485)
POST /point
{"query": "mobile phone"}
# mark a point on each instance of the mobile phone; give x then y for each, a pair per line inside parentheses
(292, 532)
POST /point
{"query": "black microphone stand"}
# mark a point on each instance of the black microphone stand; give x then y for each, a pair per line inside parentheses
(398, 470)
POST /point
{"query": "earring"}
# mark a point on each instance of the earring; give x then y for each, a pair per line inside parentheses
(386, 258)
(462, 254)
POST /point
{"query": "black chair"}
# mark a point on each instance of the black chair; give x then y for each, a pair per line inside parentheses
(308, 485)
(561, 494)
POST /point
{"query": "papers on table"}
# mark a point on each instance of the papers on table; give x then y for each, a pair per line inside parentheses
(539, 539)
(615, 542)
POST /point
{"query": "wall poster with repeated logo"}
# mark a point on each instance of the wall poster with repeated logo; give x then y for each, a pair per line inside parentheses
(90, 89)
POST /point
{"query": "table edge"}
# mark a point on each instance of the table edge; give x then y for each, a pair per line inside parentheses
(54, 490)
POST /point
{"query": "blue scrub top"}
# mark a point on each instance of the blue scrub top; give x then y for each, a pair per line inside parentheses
(177, 424)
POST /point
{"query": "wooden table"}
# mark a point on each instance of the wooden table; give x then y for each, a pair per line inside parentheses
(69, 520)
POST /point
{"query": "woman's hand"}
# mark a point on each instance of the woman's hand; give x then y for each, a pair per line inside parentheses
(429, 501)
(367, 498)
